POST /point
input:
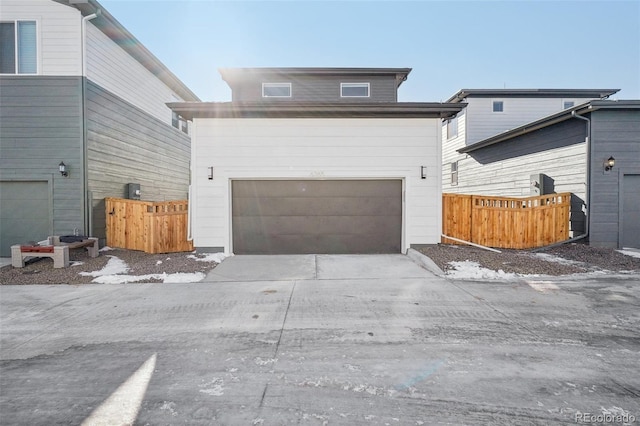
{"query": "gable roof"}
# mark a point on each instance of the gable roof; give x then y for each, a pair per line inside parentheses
(110, 26)
(234, 75)
(534, 93)
(552, 119)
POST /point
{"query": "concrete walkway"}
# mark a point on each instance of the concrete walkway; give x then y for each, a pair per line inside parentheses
(316, 267)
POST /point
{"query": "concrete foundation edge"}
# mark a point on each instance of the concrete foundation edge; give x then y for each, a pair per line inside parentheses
(424, 262)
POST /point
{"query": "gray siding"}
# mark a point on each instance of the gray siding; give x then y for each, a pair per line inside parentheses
(126, 145)
(614, 133)
(317, 88)
(42, 125)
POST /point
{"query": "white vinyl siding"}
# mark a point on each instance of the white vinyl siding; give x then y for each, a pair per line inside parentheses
(482, 122)
(109, 66)
(57, 34)
(315, 149)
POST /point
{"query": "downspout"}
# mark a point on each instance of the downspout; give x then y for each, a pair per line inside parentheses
(88, 196)
(588, 192)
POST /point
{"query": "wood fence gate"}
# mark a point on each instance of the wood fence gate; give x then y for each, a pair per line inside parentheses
(506, 222)
(154, 227)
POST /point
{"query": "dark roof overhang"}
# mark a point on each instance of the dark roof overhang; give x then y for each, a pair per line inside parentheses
(582, 109)
(121, 36)
(538, 93)
(190, 110)
(234, 75)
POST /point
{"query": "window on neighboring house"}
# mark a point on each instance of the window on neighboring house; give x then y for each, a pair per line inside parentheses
(452, 128)
(18, 47)
(498, 106)
(454, 173)
(568, 104)
(276, 90)
(179, 123)
(354, 90)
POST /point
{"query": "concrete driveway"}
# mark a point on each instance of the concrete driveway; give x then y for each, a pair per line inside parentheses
(320, 340)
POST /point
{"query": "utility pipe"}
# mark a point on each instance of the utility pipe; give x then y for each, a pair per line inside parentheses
(471, 244)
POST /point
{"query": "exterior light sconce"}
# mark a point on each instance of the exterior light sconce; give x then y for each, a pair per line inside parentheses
(210, 175)
(63, 169)
(609, 163)
(423, 172)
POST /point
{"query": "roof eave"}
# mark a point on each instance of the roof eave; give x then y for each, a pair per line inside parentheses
(190, 110)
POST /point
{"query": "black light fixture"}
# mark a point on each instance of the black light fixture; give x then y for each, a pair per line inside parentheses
(210, 176)
(63, 169)
(423, 172)
(609, 163)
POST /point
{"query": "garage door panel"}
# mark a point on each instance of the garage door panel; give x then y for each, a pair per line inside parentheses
(631, 211)
(284, 217)
(321, 206)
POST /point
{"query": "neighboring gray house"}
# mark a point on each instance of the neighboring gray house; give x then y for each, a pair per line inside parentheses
(315, 160)
(493, 111)
(572, 150)
(77, 88)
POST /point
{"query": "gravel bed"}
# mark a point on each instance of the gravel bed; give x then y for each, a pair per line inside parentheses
(41, 271)
(574, 258)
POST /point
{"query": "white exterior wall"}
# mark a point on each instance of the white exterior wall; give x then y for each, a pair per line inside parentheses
(315, 149)
(58, 29)
(111, 67)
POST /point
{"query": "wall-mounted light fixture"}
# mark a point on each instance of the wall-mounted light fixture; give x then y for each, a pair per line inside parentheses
(63, 169)
(609, 163)
(423, 172)
(210, 176)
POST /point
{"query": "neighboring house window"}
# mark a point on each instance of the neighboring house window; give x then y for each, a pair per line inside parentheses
(354, 90)
(18, 47)
(452, 128)
(454, 173)
(276, 90)
(568, 104)
(498, 106)
(179, 123)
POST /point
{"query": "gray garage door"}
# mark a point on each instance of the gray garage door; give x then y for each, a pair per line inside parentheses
(631, 211)
(24, 213)
(316, 216)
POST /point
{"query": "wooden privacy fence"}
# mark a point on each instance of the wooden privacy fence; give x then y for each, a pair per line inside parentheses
(154, 227)
(506, 222)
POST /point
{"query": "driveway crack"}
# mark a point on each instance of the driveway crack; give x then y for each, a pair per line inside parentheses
(284, 320)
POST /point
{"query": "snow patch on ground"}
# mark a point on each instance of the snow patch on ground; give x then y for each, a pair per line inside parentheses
(468, 270)
(115, 272)
(630, 252)
(556, 259)
(106, 248)
(209, 257)
(178, 277)
(114, 266)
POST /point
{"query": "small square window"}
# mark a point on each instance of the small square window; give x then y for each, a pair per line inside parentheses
(568, 104)
(18, 47)
(354, 90)
(276, 90)
(498, 106)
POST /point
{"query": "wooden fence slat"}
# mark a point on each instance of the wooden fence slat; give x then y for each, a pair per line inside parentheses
(154, 227)
(506, 222)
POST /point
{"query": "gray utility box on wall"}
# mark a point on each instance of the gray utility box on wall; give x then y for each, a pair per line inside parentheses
(541, 184)
(133, 191)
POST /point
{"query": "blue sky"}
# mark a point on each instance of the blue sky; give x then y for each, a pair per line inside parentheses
(449, 44)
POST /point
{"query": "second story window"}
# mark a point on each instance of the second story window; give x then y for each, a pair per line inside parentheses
(354, 90)
(567, 104)
(452, 128)
(276, 90)
(18, 47)
(498, 106)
